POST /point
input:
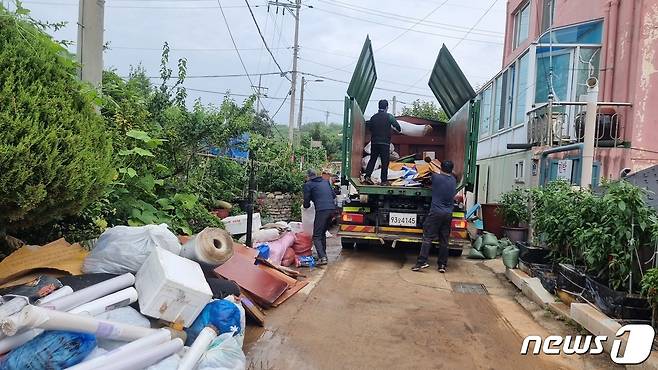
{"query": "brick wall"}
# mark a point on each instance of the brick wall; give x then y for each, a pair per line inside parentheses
(277, 205)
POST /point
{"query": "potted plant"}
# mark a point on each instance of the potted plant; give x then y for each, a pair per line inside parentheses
(516, 214)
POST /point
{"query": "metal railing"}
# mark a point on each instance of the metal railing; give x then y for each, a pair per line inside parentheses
(561, 123)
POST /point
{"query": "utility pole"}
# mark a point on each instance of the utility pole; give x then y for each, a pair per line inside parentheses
(260, 93)
(395, 106)
(90, 41)
(326, 119)
(293, 83)
(301, 104)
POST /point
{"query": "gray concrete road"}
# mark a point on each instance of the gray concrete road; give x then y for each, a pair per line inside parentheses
(368, 310)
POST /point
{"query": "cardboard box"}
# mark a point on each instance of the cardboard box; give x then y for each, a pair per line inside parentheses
(171, 288)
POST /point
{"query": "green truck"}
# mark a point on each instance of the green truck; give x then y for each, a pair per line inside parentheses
(390, 215)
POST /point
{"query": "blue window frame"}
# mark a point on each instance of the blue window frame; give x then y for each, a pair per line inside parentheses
(585, 33)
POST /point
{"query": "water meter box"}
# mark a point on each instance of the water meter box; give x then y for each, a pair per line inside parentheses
(171, 288)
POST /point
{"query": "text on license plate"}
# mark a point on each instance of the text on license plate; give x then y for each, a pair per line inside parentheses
(402, 219)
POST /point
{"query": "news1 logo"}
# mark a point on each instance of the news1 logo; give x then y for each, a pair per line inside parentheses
(637, 349)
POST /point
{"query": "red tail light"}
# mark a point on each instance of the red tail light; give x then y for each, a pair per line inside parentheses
(354, 218)
(458, 224)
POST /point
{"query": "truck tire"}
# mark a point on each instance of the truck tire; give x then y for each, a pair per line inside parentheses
(455, 252)
(347, 244)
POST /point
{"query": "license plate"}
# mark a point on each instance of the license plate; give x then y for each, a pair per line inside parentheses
(402, 219)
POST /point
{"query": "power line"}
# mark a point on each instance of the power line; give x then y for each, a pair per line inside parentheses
(403, 28)
(265, 42)
(166, 7)
(476, 23)
(402, 18)
(412, 26)
(376, 88)
(184, 49)
(222, 76)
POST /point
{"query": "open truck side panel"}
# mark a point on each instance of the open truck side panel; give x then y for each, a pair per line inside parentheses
(396, 214)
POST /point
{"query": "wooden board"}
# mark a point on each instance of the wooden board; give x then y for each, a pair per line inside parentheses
(58, 255)
(261, 284)
(252, 309)
(290, 292)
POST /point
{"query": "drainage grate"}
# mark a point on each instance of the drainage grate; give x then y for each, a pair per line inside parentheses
(469, 288)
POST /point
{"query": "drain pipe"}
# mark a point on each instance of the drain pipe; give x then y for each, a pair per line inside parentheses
(590, 133)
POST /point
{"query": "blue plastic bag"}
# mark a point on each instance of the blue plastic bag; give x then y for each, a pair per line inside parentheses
(51, 350)
(263, 251)
(222, 314)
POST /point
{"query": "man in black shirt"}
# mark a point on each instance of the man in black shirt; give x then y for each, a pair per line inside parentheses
(380, 137)
(438, 221)
(319, 191)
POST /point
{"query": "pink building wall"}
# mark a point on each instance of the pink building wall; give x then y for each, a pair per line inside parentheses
(628, 67)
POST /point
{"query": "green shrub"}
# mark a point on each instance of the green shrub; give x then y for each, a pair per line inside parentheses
(514, 207)
(54, 154)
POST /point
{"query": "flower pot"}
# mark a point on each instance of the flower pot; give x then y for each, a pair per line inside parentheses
(516, 234)
(616, 304)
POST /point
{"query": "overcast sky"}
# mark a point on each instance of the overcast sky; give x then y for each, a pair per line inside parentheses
(406, 42)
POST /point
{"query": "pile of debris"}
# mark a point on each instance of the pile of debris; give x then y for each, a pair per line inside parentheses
(143, 298)
(403, 171)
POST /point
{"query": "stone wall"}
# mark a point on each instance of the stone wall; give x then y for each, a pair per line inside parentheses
(277, 205)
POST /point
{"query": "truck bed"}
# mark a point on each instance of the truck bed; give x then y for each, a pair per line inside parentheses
(390, 190)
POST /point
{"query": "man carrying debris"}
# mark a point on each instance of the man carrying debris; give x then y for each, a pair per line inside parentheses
(319, 191)
(380, 138)
(438, 221)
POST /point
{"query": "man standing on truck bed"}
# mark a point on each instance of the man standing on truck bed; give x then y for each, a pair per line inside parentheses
(438, 221)
(321, 193)
(380, 139)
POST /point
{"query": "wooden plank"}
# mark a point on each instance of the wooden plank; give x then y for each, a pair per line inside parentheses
(252, 309)
(262, 285)
(290, 292)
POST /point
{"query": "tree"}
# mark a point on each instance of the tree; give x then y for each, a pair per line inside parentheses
(329, 136)
(54, 153)
(426, 110)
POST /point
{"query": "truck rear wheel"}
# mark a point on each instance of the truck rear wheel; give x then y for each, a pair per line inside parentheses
(455, 252)
(347, 243)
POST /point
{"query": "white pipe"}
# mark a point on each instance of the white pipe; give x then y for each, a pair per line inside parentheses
(198, 348)
(121, 298)
(128, 350)
(59, 293)
(146, 358)
(37, 317)
(12, 306)
(590, 133)
(91, 293)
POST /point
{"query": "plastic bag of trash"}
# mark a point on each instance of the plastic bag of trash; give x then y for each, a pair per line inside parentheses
(366, 159)
(124, 249)
(50, 350)
(511, 257)
(477, 245)
(222, 314)
(410, 129)
(288, 257)
(278, 247)
(262, 236)
(475, 254)
(169, 363)
(490, 251)
(225, 352)
(489, 239)
(243, 318)
(308, 219)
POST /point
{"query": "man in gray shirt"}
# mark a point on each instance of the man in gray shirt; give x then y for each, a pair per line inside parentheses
(438, 221)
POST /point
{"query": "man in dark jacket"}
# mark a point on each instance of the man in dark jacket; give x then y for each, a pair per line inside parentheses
(438, 221)
(320, 192)
(380, 137)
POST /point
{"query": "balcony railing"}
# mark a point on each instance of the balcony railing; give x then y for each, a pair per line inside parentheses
(561, 123)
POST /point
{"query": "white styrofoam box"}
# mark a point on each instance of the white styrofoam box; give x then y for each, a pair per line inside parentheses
(238, 224)
(171, 288)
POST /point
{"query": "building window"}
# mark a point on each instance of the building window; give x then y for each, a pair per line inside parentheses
(521, 25)
(584, 33)
(522, 89)
(485, 111)
(553, 74)
(499, 123)
(548, 15)
(509, 95)
(519, 172)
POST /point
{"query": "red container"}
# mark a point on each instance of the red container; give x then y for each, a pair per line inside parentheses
(493, 222)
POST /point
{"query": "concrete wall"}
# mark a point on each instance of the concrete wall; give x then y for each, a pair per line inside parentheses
(497, 175)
